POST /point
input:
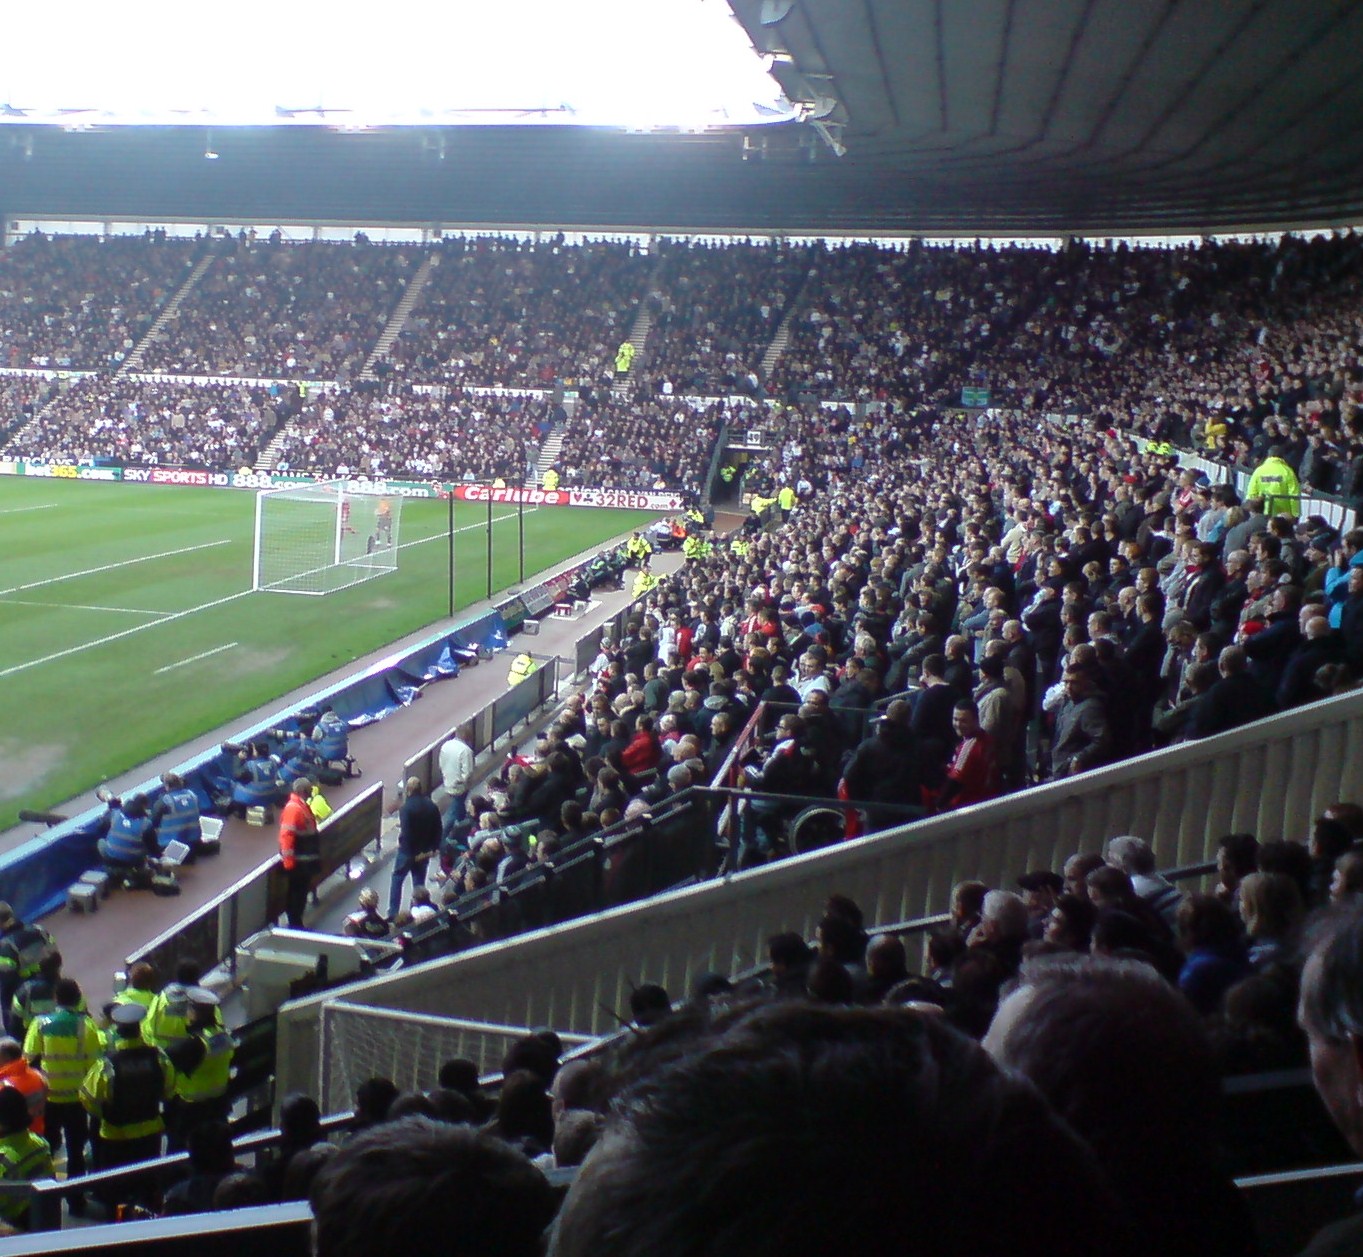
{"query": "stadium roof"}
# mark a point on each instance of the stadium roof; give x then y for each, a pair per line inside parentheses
(1037, 117)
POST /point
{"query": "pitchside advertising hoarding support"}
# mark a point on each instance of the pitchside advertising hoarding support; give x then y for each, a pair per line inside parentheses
(631, 499)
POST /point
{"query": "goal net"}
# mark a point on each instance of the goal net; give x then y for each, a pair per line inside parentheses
(319, 538)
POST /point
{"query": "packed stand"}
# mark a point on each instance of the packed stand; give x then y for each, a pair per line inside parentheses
(716, 309)
(21, 398)
(82, 302)
(267, 309)
(872, 323)
(1227, 348)
(638, 442)
(449, 434)
(497, 310)
(155, 422)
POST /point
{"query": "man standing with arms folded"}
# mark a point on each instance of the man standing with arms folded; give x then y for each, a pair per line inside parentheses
(299, 850)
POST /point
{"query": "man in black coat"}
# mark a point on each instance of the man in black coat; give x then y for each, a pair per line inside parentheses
(884, 769)
(1234, 700)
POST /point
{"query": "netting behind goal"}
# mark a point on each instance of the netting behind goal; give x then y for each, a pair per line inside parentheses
(318, 538)
(359, 1042)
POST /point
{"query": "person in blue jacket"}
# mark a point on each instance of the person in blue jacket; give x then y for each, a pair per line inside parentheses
(129, 839)
(175, 815)
(256, 780)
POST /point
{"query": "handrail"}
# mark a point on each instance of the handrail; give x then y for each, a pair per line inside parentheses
(1283, 1178)
(46, 1194)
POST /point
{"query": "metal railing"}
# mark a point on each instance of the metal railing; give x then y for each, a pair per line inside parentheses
(1270, 778)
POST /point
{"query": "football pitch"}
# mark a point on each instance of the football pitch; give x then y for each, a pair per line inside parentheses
(128, 624)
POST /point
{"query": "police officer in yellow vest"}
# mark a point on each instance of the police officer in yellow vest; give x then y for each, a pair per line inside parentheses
(739, 546)
(785, 498)
(64, 1044)
(521, 667)
(24, 1156)
(125, 1090)
(637, 549)
(550, 482)
(644, 581)
(203, 1068)
(624, 357)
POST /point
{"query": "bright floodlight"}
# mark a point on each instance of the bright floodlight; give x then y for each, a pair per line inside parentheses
(617, 63)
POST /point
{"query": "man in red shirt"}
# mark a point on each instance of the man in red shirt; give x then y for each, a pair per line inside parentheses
(973, 776)
(299, 850)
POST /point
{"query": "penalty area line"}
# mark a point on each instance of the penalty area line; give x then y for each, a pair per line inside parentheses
(19, 510)
(112, 567)
(207, 654)
(114, 637)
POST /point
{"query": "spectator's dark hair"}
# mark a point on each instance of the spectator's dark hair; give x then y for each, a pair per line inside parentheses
(300, 1120)
(532, 1053)
(1283, 856)
(453, 1106)
(944, 945)
(303, 1167)
(459, 1074)
(649, 1004)
(240, 1191)
(842, 940)
(1242, 852)
(209, 1145)
(829, 983)
(373, 1098)
(1204, 921)
(411, 1104)
(932, 1141)
(524, 1111)
(1330, 839)
(441, 1188)
(1078, 917)
(788, 949)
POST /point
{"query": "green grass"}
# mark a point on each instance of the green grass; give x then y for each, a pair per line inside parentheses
(79, 654)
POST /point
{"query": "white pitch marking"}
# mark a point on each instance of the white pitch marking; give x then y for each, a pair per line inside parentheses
(180, 615)
(217, 650)
(19, 510)
(114, 637)
(110, 567)
(74, 606)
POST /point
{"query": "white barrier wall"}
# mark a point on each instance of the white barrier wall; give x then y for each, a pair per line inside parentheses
(1271, 778)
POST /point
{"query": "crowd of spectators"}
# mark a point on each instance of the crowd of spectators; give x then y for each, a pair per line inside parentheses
(270, 309)
(449, 434)
(145, 422)
(520, 313)
(638, 442)
(21, 398)
(82, 302)
(874, 323)
(716, 310)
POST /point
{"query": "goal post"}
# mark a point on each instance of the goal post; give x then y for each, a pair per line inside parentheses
(324, 537)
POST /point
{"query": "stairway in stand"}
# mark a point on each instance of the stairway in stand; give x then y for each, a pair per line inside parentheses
(133, 362)
(782, 338)
(268, 458)
(547, 458)
(398, 319)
